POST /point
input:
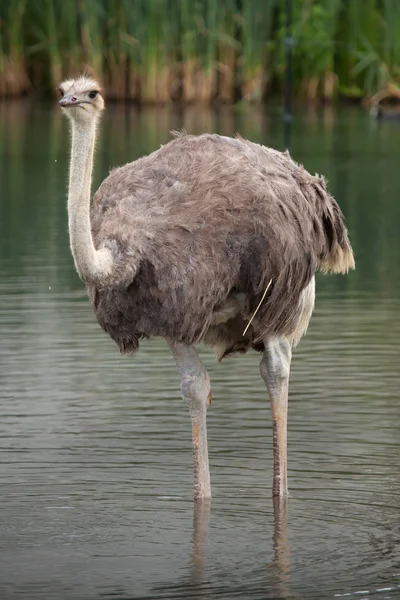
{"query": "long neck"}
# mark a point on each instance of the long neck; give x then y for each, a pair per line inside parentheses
(93, 266)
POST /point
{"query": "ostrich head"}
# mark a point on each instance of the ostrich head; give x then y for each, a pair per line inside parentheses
(81, 98)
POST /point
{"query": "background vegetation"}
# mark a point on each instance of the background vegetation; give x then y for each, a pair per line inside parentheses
(155, 51)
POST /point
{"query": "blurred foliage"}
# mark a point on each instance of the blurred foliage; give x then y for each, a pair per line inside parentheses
(156, 51)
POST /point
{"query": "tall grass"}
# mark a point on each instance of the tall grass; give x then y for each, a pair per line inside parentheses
(13, 64)
(257, 38)
(157, 51)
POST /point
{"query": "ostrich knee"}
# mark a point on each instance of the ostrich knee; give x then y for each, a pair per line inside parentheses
(275, 370)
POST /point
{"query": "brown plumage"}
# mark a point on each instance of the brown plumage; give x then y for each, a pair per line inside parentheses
(212, 218)
(185, 243)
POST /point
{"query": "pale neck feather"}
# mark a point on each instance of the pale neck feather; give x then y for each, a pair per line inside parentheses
(94, 266)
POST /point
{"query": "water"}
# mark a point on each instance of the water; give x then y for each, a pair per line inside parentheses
(95, 455)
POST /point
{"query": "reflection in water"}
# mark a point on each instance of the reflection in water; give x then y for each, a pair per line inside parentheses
(95, 480)
(201, 516)
(203, 582)
(281, 547)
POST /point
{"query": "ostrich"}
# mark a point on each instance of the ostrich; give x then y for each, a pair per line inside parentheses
(208, 239)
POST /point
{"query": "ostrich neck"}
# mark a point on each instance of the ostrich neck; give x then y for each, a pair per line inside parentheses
(93, 266)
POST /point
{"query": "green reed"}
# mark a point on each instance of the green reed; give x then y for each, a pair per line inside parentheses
(158, 51)
(255, 68)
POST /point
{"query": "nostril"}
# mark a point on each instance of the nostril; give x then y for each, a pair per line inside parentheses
(73, 99)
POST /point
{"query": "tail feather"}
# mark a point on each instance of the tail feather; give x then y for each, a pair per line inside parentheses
(339, 261)
(336, 255)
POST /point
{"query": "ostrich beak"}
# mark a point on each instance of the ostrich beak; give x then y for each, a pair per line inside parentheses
(69, 100)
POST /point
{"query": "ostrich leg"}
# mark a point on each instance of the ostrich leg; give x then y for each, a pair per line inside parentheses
(195, 386)
(275, 370)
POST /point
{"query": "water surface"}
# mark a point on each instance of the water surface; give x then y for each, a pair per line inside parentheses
(95, 474)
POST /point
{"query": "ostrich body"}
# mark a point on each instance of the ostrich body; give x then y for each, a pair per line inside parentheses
(186, 242)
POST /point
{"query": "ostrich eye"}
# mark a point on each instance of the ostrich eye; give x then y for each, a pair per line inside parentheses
(92, 95)
(61, 92)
